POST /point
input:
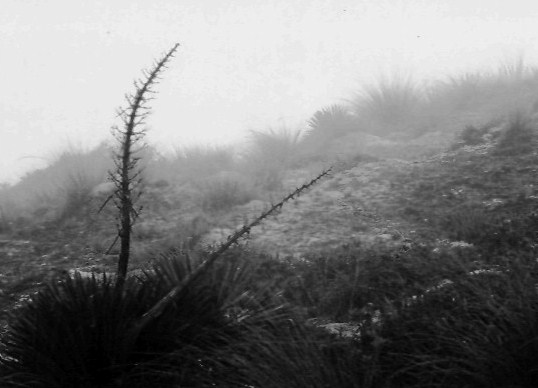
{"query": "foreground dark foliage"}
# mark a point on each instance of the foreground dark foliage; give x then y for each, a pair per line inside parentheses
(226, 329)
(75, 333)
(479, 331)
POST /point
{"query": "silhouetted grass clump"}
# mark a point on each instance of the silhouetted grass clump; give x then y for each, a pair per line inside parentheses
(82, 332)
(325, 126)
(400, 106)
(388, 106)
(481, 330)
(228, 328)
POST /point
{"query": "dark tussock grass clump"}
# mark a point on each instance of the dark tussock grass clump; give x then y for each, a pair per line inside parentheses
(325, 126)
(228, 329)
(479, 331)
(89, 340)
(389, 105)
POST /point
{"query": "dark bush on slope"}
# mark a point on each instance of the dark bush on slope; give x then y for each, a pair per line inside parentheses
(227, 329)
(79, 332)
(390, 106)
(327, 124)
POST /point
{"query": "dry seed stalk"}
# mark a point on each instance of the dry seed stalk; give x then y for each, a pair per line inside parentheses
(160, 306)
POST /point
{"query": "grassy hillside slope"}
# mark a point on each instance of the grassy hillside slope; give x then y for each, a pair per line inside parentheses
(421, 242)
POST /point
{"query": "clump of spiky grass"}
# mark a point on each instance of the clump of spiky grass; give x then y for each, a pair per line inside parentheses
(301, 356)
(324, 127)
(331, 121)
(388, 105)
(228, 327)
(475, 97)
(481, 330)
(397, 105)
(86, 341)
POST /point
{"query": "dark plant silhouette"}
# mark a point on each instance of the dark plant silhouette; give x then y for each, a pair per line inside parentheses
(126, 177)
(331, 121)
(388, 104)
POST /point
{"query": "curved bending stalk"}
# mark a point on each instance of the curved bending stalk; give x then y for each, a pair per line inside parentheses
(126, 175)
(161, 305)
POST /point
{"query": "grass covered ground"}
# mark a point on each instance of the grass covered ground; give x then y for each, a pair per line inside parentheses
(413, 264)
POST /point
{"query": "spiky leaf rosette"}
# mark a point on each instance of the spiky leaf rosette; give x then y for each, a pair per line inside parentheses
(76, 333)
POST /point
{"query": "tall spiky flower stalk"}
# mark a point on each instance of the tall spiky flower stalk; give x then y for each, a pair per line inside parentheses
(169, 298)
(126, 177)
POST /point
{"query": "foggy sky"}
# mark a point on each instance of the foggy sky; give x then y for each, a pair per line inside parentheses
(243, 64)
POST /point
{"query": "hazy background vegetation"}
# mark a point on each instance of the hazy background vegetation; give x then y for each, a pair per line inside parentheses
(243, 65)
(391, 118)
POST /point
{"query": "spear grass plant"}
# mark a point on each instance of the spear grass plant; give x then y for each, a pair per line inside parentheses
(127, 175)
(389, 105)
(332, 121)
(77, 333)
(189, 321)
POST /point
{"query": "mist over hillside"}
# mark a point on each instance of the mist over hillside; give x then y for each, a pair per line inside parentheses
(242, 65)
(394, 118)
